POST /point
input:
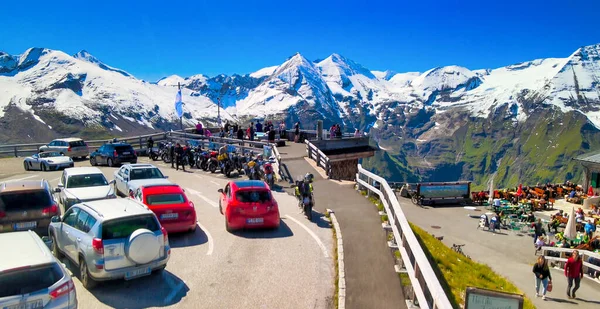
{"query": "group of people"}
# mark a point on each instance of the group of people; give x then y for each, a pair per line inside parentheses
(573, 272)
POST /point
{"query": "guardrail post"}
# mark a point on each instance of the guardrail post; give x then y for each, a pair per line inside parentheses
(16, 152)
(141, 143)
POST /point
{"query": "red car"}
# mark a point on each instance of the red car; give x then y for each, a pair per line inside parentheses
(248, 204)
(173, 209)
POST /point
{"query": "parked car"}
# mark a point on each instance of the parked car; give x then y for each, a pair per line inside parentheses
(248, 204)
(26, 205)
(81, 184)
(113, 154)
(71, 147)
(30, 277)
(47, 161)
(173, 209)
(110, 239)
(131, 176)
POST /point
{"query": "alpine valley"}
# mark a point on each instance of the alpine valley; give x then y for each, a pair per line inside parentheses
(523, 123)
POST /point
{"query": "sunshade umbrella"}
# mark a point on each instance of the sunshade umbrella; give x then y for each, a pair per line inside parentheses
(520, 190)
(491, 191)
(571, 228)
(590, 191)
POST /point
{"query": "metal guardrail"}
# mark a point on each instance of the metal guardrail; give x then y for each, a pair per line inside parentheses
(316, 154)
(426, 286)
(564, 253)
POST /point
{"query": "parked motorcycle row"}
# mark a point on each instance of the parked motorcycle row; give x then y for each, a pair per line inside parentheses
(255, 167)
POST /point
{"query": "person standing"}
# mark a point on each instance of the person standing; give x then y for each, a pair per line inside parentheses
(574, 273)
(172, 154)
(199, 128)
(150, 145)
(179, 152)
(297, 132)
(542, 276)
(259, 126)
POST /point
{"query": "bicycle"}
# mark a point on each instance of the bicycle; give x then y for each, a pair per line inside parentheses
(417, 199)
(458, 249)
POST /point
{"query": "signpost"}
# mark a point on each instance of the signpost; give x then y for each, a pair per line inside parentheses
(477, 298)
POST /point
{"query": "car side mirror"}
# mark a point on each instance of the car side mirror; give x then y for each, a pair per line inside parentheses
(60, 185)
(166, 177)
(55, 219)
(57, 190)
(220, 191)
(112, 182)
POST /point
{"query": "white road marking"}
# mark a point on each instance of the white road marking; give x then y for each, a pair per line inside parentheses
(55, 179)
(210, 239)
(174, 288)
(18, 179)
(198, 176)
(314, 236)
(216, 183)
(206, 199)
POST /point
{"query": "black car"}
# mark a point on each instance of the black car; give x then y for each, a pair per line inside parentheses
(113, 154)
(27, 205)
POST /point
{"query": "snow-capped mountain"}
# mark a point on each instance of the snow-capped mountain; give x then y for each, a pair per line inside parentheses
(50, 86)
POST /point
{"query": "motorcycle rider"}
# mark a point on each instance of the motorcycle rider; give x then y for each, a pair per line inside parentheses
(150, 144)
(179, 153)
(305, 186)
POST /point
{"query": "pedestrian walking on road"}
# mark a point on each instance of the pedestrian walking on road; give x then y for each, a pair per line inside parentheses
(539, 230)
(574, 273)
(179, 157)
(542, 276)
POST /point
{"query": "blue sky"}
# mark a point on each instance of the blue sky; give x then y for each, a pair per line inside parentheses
(152, 39)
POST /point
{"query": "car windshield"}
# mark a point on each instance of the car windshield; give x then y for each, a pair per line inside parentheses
(122, 228)
(90, 180)
(24, 200)
(25, 281)
(146, 173)
(49, 154)
(253, 196)
(163, 199)
(122, 149)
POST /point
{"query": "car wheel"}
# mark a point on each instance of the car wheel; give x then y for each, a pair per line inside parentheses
(44, 167)
(55, 251)
(84, 275)
(62, 153)
(25, 166)
(109, 162)
(93, 161)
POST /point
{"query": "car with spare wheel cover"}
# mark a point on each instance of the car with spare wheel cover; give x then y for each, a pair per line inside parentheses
(81, 184)
(248, 204)
(129, 177)
(110, 240)
(170, 204)
(26, 205)
(47, 161)
(71, 147)
(30, 277)
(113, 154)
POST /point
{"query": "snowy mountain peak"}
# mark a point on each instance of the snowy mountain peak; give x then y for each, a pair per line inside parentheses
(171, 81)
(445, 78)
(31, 56)
(86, 56)
(7, 62)
(384, 75)
(345, 66)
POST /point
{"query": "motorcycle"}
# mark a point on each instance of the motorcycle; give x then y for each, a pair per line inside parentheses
(225, 165)
(237, 162)
(213, 163)
(165, 155)
(188, 156)
(305, 200)
(202, 159)
(269, 176)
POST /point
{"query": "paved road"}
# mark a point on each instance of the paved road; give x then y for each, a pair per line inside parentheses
(507, 253)
(288, 268)
(371, 281)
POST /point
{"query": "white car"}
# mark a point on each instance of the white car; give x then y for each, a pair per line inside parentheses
(47, 161)
(83, 184)
(132, 176)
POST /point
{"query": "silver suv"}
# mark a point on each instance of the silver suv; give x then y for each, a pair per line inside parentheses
(30, 277)
(110, 239)
(72, 147)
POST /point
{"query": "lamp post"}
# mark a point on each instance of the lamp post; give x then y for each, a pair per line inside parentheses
(219, 111)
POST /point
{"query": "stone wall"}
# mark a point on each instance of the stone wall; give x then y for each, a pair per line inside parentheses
(344, 170)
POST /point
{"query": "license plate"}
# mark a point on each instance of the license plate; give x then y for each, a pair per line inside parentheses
(254, 220)
(25, 225)
(126, 153)
(169, 216)
(29, 305)
(137, 273)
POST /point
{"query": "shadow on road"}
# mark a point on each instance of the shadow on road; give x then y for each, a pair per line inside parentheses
(560, 300)
(157, 290)
(320, 220)
(188, 239)
(282, 232)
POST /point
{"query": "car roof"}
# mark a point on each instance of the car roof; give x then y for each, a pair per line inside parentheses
(22, 185)
(69, 139)
(248, 184)
(117, 144)
(161, 188)
(82, 171)
(116, 208)
(28, 249)
(141, 165)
